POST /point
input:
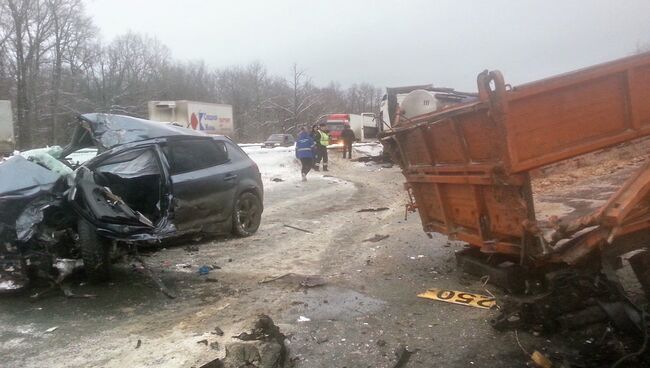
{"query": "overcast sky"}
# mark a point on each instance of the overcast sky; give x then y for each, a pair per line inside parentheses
(389, 43)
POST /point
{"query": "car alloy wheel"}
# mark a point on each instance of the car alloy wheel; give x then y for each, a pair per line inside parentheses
(247, 215)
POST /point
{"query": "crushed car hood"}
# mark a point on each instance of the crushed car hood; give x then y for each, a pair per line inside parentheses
(106, 131)
(23, 177)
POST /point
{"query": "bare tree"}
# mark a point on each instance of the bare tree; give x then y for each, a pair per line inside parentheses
(304, 96)
(70, 30)
(52, 66)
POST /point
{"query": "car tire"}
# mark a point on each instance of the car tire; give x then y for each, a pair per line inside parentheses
(246, 215)
(95, 252)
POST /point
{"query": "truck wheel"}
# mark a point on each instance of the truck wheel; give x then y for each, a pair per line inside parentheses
(247, 215)
(94, 252)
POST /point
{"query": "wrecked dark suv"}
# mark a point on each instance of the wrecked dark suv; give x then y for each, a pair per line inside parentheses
(149, 181)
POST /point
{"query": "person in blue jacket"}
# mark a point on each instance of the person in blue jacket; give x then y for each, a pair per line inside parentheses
(305, 146)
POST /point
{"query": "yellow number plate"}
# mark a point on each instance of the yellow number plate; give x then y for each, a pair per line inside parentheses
(459, 297)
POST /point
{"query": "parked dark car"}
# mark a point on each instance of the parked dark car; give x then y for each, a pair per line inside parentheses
(279, 140)
(149, 181)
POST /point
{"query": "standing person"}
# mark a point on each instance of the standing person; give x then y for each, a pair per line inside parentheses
(315, 136)
(305, 151)
(322, 139)
(348, 138)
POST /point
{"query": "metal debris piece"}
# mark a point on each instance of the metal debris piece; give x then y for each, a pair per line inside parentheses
(459, 297)
(376, 238)
(378, 209)
(299, 229)
(149, 273)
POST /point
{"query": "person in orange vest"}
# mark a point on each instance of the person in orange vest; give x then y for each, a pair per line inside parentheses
(322, 139)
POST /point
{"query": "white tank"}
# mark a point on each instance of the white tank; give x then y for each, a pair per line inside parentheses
(418, 102)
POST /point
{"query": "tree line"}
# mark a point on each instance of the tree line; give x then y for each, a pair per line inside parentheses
(54, 65)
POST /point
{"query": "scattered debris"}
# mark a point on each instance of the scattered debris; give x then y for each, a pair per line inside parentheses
(211, 279)
(204, 342)
(297, 228)
(541, 360)
(305, 281)
(191, 248)
(217, 363)
(403, 355)
(263, 347)
(303, 319)
(217, 331)
(204, 270)
(151, 275)
(377, 159)
(51, 329)
(376, 238)
(183, 265)
(214, 345)
(378, 209)
(584, 306)
(277, 180)
(459, 297)
(138, 344)
(67, 291)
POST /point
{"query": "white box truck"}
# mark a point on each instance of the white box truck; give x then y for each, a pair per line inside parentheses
(7, 142)
(364, 125)
(207, 117)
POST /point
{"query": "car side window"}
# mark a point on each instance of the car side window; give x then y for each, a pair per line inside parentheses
(192, 155)
(235, 153)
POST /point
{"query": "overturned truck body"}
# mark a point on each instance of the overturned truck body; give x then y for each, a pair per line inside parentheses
(468, 167)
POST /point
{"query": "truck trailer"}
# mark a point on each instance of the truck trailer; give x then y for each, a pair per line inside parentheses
(7, 142)
(207, 117)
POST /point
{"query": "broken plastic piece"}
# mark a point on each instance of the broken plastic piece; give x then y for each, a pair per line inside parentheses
(541, 360)
(459, 297)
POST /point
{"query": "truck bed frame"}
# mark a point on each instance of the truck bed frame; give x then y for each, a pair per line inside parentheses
(468, 167)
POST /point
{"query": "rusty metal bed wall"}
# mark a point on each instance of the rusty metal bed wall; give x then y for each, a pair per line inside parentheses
(467, 166)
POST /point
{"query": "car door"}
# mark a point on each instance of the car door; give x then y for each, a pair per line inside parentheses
(202, 183)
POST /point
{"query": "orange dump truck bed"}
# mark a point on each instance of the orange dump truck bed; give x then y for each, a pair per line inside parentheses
(467, 167)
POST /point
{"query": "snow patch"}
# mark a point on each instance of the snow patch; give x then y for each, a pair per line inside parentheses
(368, 149)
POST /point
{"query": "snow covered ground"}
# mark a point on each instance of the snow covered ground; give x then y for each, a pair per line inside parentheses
(274, 163)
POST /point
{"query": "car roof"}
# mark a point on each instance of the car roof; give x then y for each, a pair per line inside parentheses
(112, 130)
